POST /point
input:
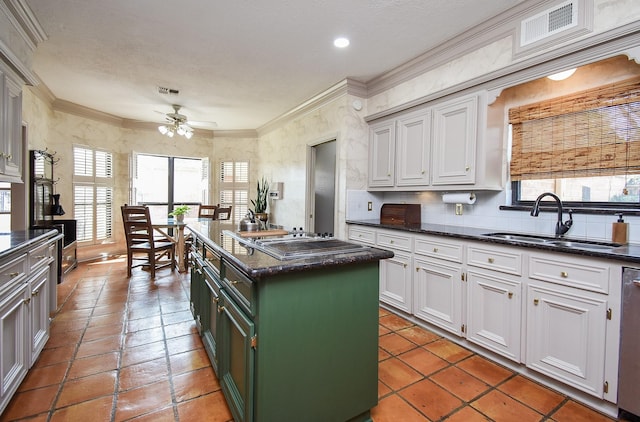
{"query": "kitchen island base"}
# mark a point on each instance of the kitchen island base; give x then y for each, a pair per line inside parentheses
(289, 340)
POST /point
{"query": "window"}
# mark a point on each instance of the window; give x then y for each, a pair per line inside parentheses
(5, 207)
(92, 193)
(162, 182)
(584, 147)
(234, 187)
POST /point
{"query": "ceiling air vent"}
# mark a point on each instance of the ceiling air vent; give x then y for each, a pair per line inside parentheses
(167, 91)
(549, 22)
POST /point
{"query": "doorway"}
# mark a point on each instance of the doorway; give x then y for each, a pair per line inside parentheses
(322, 187)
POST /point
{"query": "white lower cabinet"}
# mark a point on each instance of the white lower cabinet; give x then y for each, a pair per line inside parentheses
(395, 281)
(556, 313)
(438, 293)
(396, 277)
(494, 314)
(14, 358)
(566, 335)
(25, 308)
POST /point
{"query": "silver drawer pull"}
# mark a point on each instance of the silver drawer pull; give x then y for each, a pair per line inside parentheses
(564, 274)
(435, 250)
(35, 293)
(233, 281)
(510, 294)
(13, 275)
(27, 300)
(490, 260)
(40, 256)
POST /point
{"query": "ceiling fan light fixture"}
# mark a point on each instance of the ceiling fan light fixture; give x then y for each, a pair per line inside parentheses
(188, 135)
(163, 129)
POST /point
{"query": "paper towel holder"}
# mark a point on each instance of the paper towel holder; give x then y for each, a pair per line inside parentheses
(459, 199)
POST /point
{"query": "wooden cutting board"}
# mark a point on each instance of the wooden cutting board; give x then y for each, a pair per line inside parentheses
(263, 233)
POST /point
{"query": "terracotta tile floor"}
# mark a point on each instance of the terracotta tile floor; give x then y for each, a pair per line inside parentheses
(127, 349)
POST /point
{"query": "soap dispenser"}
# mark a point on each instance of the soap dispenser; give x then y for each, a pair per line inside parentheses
(619, 231)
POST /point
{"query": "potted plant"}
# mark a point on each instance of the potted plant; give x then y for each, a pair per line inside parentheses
(179, 212)
(260, 203)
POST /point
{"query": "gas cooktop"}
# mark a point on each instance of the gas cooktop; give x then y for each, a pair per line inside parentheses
(298, 247)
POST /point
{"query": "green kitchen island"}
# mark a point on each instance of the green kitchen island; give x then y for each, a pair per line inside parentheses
(291, 338)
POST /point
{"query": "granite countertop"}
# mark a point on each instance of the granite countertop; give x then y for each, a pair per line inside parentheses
(258, 265)
(15, 241)
(630, 252)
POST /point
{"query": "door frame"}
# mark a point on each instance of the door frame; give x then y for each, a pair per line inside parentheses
(310, 191)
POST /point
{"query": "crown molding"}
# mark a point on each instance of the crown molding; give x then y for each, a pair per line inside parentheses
(24, 21)
(620, 40)
(86, 112)
(240, 133)
(492, 30)
(16, 65)
(345, 87)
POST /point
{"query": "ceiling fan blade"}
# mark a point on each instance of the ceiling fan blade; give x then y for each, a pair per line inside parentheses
(200, 123)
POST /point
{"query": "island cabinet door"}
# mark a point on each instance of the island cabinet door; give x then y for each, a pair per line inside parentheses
(236, 356)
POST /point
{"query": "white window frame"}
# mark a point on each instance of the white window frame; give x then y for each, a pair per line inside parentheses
(231, 192)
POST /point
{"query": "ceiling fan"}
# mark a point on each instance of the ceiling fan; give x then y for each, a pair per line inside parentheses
(178, 123)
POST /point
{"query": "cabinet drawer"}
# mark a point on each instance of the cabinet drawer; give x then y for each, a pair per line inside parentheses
(212, 260)
(39, 256)
(239, 287)
(437, 248)
(12, 271)
(394, 241)
(581, 273)
(497, 259)
(361, 235)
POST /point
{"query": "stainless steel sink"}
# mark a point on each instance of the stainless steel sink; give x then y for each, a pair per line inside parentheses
(592, 246)
(519, 237)
(552, 241)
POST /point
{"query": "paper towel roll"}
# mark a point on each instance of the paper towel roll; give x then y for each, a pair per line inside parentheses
(459, 198)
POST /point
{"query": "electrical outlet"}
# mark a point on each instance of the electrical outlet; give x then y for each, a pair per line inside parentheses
(369, 206)
(458, 209)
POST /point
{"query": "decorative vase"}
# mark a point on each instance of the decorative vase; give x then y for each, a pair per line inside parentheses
(180, 218)
(57, 208)
(263, 217)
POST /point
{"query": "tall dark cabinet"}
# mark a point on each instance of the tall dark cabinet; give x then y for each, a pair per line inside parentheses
(45, 205)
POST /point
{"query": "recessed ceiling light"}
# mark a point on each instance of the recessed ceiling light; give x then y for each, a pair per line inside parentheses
(341, 42)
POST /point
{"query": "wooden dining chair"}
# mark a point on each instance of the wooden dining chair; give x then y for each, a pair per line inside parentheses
(138, 232)
(222, 213)
(207, 211)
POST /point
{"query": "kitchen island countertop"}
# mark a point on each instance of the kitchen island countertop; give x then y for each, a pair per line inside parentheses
(258, 265)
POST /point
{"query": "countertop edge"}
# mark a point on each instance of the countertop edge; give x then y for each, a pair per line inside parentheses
(278, 267)
(23, 239)
(629, 253)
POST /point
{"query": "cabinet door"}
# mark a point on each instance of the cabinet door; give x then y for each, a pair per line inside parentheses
(14, 359)
(382, 146)
(494, 313)
(414, 150)
(11, 133)
(438, 293)
(395, 281)
(39, 312)
(195, 289)
(566, 335)
(454, 139)
(210, 334)
(236, 358)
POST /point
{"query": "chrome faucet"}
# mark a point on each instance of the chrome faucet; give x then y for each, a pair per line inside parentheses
(561, 228)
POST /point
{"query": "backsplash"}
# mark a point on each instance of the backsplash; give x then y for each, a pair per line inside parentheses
(486, 214)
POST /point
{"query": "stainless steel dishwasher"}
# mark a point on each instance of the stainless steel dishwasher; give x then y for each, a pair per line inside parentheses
(629, 369)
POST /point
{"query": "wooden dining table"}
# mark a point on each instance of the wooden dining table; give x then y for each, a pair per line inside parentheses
(162, 226)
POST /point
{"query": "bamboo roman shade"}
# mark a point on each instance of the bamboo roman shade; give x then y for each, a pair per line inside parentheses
(590, 133)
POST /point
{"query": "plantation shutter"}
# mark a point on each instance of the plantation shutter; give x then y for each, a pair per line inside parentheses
(591, 133)
(234, 187)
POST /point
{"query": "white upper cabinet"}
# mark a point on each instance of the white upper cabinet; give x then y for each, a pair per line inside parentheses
(413, 150)
(11, 128)
(382, 152)
(455, 128)
(440, 146)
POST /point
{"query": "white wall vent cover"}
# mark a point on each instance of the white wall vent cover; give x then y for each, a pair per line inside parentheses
(549, 22)
(563, 21)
